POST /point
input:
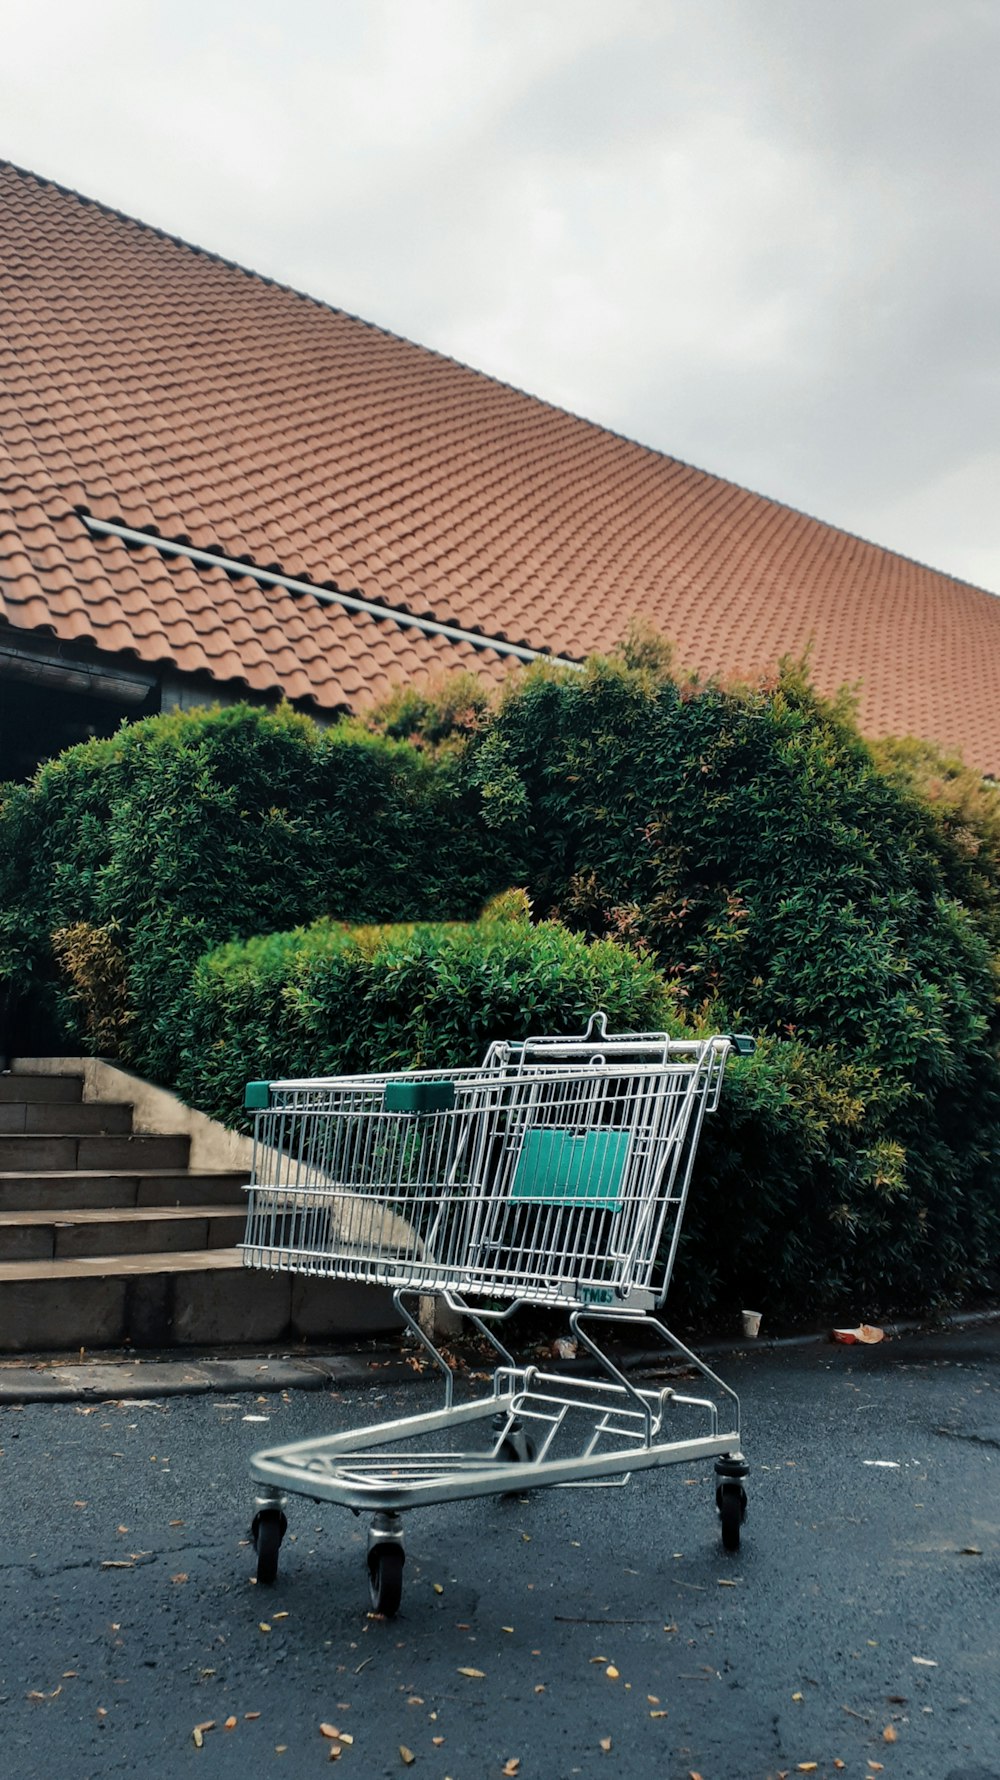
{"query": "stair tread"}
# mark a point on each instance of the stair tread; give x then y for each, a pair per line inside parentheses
(129, 1214)
(200, 1260)
(85, 1174)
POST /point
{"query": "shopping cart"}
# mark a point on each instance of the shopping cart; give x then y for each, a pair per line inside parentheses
(555, 1174)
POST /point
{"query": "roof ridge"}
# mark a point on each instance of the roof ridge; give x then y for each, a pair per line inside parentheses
(434, 352)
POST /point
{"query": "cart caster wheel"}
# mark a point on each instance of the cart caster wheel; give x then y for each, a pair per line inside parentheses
(267, 1532)
(385, 1577)
(731, 1499)
(517, 1449)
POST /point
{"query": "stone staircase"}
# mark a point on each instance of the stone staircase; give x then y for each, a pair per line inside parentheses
(109, 1236)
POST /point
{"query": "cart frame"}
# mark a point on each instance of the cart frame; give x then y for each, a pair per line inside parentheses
(461, 1185)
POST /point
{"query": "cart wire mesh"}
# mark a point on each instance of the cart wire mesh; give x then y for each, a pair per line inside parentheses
(556, 1173)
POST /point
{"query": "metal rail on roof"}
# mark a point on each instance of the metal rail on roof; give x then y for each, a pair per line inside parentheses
(105, 528)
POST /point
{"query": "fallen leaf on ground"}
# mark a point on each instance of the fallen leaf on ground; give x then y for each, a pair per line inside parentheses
(924, 1662)
(660, 1714)
(473, 1674)
(117, 1564)
(207, 1724)
(263, 1626)
(197, 1737)
(181, 1576)
(437, 1742)
(807, 1767)
(231, 1723)
(510, 1767)
(439, 1588)
(605, 1744)
(611, 1672)
(328, 1730)
(345, 1737)
(251, 1715)
(890, 1734)
(972, 1551)
(407, 1754)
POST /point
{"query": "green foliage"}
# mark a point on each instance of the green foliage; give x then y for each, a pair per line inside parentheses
(748, 840)
(189, 829)
(328, 999)
(841, 901)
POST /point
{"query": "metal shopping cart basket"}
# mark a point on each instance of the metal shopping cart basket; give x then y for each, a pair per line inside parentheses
(555, 1174)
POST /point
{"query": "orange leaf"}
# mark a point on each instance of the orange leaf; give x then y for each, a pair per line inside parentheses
(328, 1730)
(890, 1734)
(510, 1767)
(611, 1672)
(231, 1723)
(605, 1744)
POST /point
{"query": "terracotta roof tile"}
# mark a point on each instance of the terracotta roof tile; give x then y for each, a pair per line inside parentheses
(156, 385)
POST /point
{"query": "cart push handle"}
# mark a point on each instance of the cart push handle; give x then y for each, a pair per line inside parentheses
(423, 1096)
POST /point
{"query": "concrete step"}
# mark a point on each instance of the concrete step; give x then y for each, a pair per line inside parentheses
(49, 1152)
(56, 1089)
(106, 1189)
(191, 1297)
(62, 1236)
(41, 1116)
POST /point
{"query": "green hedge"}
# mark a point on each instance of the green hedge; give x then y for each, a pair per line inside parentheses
(747, 842)
(751, 842)
(328, 999)
(193, 828)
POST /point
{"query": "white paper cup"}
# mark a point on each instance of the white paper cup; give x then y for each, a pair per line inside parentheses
(751, 1322)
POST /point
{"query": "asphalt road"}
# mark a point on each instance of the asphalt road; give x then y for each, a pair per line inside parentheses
(130, 1616)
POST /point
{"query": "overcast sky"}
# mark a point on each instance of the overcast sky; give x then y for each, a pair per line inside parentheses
(761, 235)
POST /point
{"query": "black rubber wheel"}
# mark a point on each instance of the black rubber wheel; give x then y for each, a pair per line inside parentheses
(385, 1577)
(517, 1449)
(732, 1502)
(268, 1531)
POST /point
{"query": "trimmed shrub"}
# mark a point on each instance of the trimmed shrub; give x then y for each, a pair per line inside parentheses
(327, 1000)
(197, 827)
(747, 840)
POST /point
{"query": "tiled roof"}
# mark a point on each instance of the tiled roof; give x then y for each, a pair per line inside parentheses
(150, 383)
